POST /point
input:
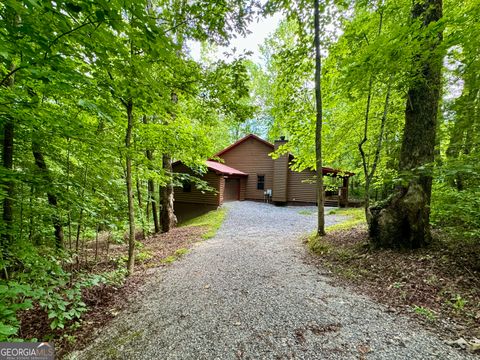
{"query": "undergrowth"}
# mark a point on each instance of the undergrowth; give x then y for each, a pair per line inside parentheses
(437, 283)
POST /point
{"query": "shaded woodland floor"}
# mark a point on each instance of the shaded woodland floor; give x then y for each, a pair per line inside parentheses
(106, 301)
(438, 285)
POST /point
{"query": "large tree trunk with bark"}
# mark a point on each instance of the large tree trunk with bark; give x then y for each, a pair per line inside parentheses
(52, 198)
(131, 211)
(168, 219)
(318, 123)
(403, 220)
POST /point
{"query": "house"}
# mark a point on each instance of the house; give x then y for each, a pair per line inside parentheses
(248, 172)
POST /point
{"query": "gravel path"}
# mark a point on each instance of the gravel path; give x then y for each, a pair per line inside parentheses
(248, 294)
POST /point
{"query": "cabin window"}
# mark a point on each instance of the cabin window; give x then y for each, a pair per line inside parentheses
(260, 182)
(187, 186)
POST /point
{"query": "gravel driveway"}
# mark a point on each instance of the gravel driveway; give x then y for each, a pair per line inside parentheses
(248, 294)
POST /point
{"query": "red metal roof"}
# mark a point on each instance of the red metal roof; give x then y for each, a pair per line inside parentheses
(249, 136)
(223, 169)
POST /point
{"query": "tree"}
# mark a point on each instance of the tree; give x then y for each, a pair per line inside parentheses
(404, 219)
(318, 123)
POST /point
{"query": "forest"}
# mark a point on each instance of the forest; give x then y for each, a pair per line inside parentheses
(98, 98)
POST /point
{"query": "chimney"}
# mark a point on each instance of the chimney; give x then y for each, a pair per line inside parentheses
(280, 174)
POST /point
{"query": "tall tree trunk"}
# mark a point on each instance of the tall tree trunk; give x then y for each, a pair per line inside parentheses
(403, 221)
(360, 146)
(30, 211)
(140, 204)
(69, 210)
(52, 198)
(167, 216)
(369, 173)
(318, 123)
(153, 202)
(131, 211)
(77, 238)
(80, 218)
(151, 187)
(8, 183)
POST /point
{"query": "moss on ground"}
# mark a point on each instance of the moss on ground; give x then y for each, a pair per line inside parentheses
(356, 217)
(177, 255)
(211, 221)
(306, 212)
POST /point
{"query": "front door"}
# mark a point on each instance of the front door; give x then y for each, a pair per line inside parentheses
(232, 190)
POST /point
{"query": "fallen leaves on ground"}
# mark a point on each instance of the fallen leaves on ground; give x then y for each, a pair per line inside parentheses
(106, 301)
(439, 285)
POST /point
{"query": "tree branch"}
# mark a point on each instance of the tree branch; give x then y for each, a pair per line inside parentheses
(89, 22)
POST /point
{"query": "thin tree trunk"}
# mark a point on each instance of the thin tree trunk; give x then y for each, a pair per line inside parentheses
(403, 221)
(153, 204)
(318, 123)
(21, 212)
(370, 173)
(84, 248)
(80, 219)
(77, 238)
(131, 211)
(8, 183)
(30, 211)
(368, 176)
(140, 204)
(52, 198)
(383, 122)
(151, 188)
(152, 197)
(167, 216)
(97, 229)
(69, 215)
(360, 146)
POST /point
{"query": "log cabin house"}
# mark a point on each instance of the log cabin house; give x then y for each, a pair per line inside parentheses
(248, 172)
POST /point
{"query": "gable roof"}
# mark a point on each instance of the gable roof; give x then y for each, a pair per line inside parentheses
(242, 140)
(325, 170)
(223, 169)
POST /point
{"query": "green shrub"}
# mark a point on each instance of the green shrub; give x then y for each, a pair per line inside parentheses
(39, 278)
(456, 211)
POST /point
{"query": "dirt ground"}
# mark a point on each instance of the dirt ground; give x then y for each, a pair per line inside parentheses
(438, 285)
(106, 301)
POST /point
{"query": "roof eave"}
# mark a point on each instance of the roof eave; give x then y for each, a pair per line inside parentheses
(238, 142)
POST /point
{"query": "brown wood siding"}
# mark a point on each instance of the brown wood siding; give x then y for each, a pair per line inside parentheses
(243, 188)
(280, 176)
(232, 189)
(197, 196)
(252, 158)
(221, 190)
(301, 191)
